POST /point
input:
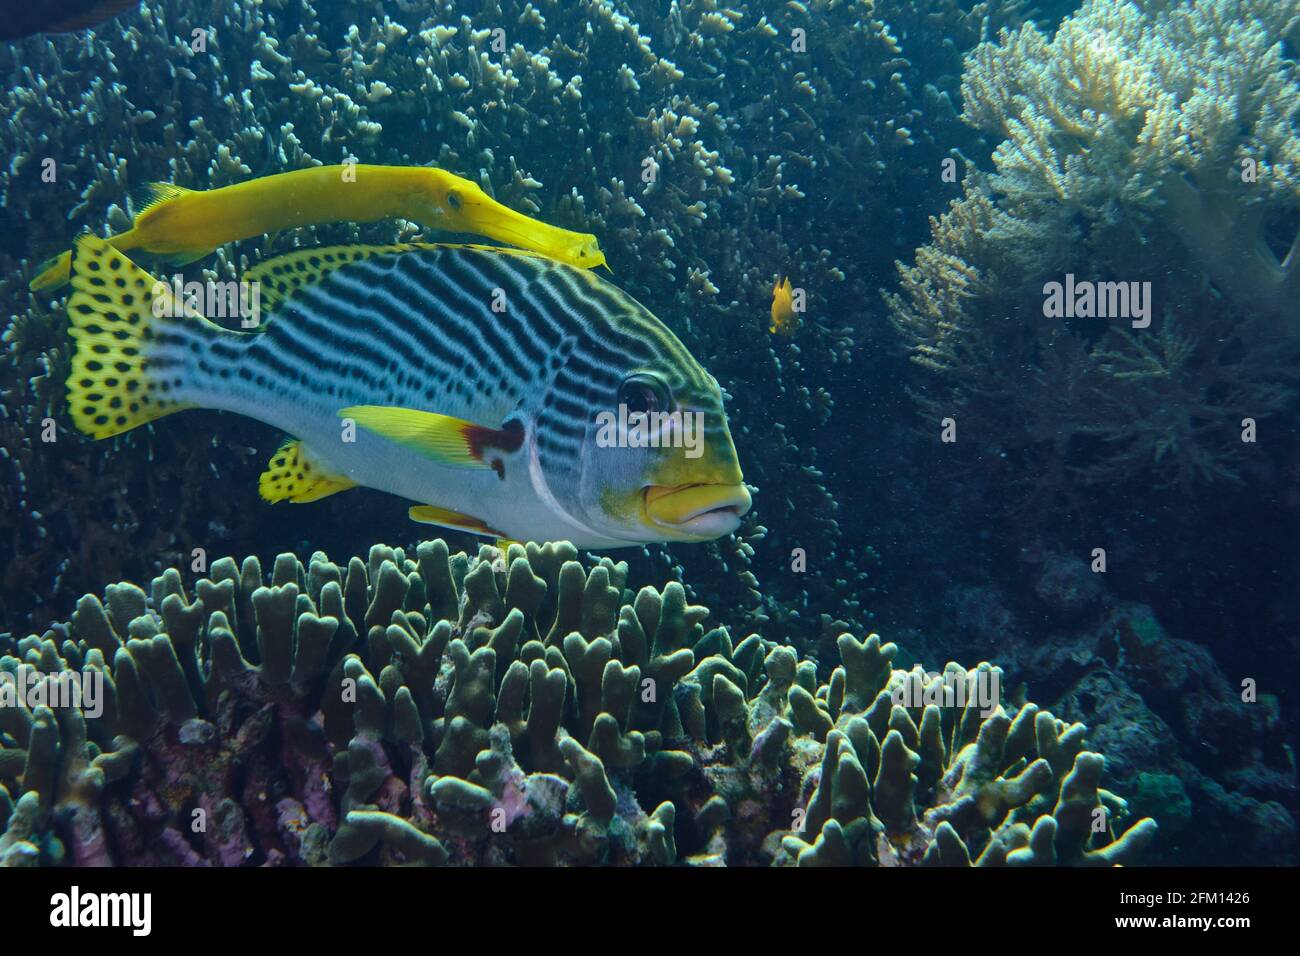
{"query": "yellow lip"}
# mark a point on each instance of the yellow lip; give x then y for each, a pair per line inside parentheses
(700, 512)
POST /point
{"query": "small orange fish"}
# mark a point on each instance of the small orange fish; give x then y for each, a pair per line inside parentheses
(785, 321)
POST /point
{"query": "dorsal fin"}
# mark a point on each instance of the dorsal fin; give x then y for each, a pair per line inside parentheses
(283, 275)
(145, 197)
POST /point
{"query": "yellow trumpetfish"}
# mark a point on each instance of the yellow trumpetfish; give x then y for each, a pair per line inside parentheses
(183, 225)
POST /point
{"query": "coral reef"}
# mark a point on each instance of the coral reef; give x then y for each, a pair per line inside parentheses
(515, 708)
(1122, 139)
(1143, 143)
(1186, 737)
(1177, 733)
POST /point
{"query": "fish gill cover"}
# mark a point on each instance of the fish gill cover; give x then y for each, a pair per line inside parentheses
(1026, 401)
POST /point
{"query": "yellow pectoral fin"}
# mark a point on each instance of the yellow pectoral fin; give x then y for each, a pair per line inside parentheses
(446, 518)
(156, 224)
(292, 475)
(446, 440)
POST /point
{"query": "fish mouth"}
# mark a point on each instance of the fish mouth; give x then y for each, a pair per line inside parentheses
(549, 241)
(699, 512)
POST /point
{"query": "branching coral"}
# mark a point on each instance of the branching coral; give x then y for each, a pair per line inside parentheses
(944, 784)
(1142, 143)
(513, 707)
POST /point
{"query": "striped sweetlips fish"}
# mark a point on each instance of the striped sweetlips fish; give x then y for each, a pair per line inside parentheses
(480, 382)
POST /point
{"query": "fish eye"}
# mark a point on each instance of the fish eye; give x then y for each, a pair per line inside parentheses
(453, 199)
(644, 393)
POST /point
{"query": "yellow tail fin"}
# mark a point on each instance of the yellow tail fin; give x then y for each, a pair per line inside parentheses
(113, 320)
(52, 273)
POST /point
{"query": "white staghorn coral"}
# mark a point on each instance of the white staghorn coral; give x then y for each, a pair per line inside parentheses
(1145, 141)
(1146, 109)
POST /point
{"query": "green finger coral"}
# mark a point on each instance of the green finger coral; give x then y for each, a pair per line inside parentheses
(515, 707)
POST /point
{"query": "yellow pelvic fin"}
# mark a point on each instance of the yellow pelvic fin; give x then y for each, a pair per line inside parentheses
(292, 475)
(447, 440)
(112, 320)
(446, 518)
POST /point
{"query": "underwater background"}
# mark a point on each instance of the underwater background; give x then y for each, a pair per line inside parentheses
(921, 170)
